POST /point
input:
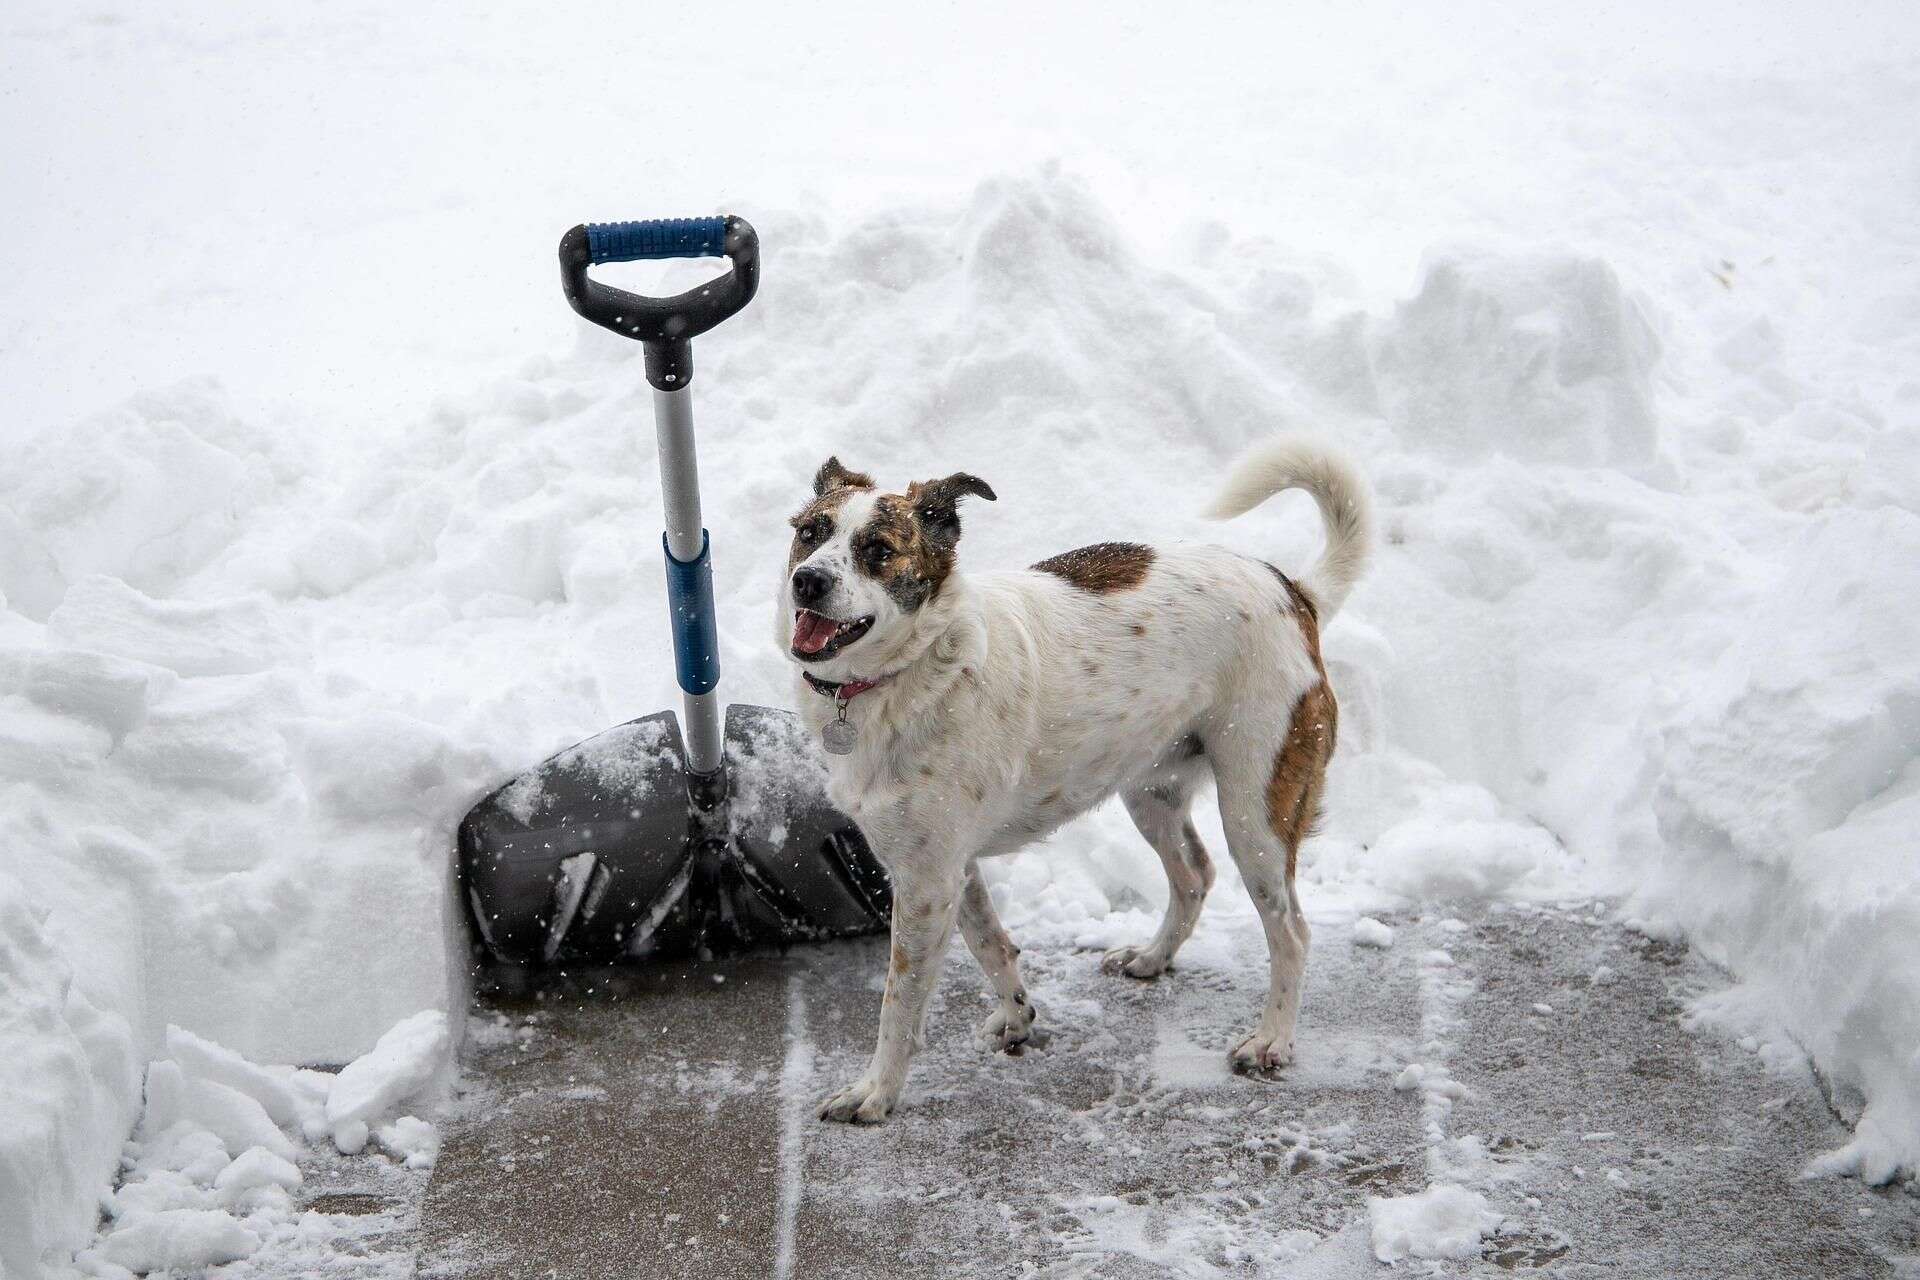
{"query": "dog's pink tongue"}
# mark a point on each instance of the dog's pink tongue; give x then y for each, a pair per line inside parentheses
(811, 632)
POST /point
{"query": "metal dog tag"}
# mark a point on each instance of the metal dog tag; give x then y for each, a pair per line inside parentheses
(838, 736)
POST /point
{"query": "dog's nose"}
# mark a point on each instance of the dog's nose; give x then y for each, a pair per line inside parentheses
(811, 585)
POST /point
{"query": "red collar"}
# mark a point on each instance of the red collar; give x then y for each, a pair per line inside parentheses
(845, 692)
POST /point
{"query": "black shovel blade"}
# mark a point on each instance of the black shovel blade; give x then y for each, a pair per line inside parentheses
(599, 854)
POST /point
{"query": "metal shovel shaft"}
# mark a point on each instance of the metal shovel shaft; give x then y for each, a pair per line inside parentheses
(689, 583)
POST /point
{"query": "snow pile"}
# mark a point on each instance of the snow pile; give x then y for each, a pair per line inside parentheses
(1444, 1221)
(209, 1175)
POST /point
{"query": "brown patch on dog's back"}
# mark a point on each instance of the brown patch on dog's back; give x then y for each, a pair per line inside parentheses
(1300, 770)
(1102, 568)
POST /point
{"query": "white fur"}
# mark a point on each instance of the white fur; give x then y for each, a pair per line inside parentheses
(1288, 462)
(1016, 701)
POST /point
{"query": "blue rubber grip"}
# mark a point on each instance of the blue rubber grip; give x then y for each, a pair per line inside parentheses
(696, 633)
(656, 238)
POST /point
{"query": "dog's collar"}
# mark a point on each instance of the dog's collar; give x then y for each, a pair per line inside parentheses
(844, 692)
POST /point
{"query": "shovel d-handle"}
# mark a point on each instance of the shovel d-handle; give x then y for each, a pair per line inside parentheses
(664, 325)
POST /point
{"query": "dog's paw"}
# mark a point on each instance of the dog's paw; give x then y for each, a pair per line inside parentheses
(1260, 1052)
(1144, 963)
(862, 1102)
(1008, 1034)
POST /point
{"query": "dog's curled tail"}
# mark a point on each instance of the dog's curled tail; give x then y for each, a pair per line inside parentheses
(1292, 462)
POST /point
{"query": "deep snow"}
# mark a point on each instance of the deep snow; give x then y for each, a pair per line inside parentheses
(1627, 350)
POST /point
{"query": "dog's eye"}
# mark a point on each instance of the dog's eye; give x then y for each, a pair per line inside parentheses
(875, 554)
(813, 531)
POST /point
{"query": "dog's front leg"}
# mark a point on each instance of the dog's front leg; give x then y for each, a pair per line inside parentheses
(924, 903)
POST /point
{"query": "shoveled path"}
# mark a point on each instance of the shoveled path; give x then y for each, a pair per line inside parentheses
(660, 1123)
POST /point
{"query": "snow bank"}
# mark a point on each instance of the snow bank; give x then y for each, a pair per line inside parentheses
(67, 1082)
(1641, 619)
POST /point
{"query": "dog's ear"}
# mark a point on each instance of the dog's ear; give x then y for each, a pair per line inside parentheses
(832, 475)
(936, 504)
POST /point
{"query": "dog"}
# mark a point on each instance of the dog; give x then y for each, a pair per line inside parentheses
(970, 715)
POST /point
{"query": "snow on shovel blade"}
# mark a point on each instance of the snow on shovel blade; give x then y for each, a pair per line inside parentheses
(599, 854)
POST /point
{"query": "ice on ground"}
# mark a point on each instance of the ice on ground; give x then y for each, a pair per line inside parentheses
(1444, 1221)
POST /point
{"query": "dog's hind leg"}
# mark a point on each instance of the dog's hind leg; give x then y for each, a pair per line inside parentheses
(1269, 798)
(1008, 1026)
(1159, 809)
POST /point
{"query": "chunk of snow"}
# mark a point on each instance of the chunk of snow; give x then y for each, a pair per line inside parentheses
(183, 1147)
(150, 1190)
(399, 1066)
(236, 1119)
(411, 1140)
(350, 1137)
(209, 1061)
(179, 1240)
(1444, 1221)
(255, 1167)
(1368, 932)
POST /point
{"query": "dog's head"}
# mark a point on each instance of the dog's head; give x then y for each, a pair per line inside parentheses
(863, 566)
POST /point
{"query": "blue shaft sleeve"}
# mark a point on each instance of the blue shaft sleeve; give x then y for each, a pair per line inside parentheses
(696, 633)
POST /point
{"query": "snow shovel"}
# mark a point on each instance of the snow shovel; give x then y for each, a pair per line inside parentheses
(642, 841)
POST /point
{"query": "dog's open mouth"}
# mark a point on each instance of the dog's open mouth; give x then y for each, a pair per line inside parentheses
(816, 636)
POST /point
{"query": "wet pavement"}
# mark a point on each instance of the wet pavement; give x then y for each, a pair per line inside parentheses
(661, 1123)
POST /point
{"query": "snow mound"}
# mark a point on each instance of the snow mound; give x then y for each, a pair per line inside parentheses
(1444, 1221)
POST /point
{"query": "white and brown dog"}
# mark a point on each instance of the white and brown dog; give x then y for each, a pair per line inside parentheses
(974, 714)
